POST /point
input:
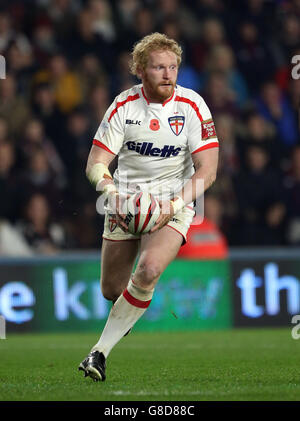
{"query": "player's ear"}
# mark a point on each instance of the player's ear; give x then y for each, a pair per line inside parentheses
(140, 72)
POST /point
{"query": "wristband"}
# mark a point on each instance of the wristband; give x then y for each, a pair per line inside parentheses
(111, 198)
(178, 204)
(107, 189)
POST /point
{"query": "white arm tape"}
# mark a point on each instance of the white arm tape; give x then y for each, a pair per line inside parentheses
(108, 188)
(98, 173)
(178, 204)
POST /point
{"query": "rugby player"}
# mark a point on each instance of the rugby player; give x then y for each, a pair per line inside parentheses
(164, 136)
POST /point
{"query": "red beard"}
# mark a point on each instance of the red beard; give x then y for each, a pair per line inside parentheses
(157, 92)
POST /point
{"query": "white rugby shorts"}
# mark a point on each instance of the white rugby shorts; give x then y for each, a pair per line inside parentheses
(181, 223)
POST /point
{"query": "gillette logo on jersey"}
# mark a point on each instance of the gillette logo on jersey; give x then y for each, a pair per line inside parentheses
(146, 148)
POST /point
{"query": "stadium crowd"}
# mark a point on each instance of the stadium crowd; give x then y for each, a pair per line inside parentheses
(67, 59)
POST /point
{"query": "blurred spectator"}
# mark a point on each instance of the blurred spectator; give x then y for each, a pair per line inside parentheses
(290, 35)
(221, 59)
(81, 196)
(46, 110)
(40, 232)
(34, 139)
(208, 8)
(8, 34)
(170, 27)
(273, 230)
(91, 74)
(294, 94)
(254, 58)
(125, 12)
(144, 23)
(292, 191)
(295, 6)
(44, 41)
(77, 142)
(103, 24)
(87, 227)
(21, 65)
(229, 158)
(13, 107)
(3, 130)
(258, 131)
(85, 40)
(177, 10)
(212, 35)
(121, 79)
(225, 193)
(8, 182)
(260, 13)
(213, 209)
(219, 96)
(98, 105)
(12, 243)
(63, 15)
(257, 188)
(65, 82)
(274, 107)
(37, 177)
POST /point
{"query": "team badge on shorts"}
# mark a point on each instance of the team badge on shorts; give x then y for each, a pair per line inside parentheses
(112, 222)
(176, 124)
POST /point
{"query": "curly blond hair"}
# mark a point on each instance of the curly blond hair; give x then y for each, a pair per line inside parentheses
(152, 42)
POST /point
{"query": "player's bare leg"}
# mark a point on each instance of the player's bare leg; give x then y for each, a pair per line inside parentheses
(157, 251)
(117, 261)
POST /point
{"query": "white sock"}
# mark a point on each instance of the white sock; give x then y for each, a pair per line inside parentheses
(126, 311)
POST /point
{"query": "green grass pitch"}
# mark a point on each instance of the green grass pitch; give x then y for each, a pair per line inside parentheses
(241, 364)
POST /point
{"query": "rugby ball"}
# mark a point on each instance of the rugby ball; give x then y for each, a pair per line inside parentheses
(142, 211)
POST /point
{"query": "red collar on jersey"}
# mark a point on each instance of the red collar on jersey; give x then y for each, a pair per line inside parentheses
(164, 103)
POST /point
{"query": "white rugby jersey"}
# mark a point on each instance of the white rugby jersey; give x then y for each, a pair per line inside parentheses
(154, 142)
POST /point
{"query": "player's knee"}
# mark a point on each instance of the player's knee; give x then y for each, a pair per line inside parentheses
(148, 272)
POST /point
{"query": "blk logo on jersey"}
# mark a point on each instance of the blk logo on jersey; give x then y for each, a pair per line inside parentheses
(138, 122)
(176, 124)
(146, 148)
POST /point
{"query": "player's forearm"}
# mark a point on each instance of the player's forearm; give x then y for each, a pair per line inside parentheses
(98, 173)
(197, 184)
(97, 156)
(206, 164)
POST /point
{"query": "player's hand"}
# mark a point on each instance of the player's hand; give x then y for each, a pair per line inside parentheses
(116, 201)
(166, 214)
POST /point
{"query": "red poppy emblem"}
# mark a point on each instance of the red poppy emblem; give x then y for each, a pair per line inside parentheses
(112, 224)
(154, 124)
